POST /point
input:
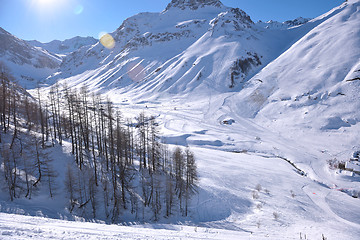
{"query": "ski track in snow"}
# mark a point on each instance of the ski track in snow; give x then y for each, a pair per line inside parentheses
(318, 196)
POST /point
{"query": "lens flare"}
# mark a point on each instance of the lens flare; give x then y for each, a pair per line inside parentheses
(78, 9)
(136, 72)
(107, 40)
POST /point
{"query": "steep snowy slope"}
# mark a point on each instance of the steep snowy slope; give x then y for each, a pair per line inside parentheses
(27, 64)
(65, 47)
(315, 79)
(310, 93)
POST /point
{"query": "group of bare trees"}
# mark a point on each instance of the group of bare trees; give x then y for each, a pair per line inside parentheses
(120, 165)
(24, 163)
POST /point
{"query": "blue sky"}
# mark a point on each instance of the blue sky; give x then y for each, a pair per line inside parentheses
(46, 20)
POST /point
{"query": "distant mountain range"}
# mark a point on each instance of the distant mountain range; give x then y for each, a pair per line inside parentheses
(284, 25)
(65, 47)
(28, 64)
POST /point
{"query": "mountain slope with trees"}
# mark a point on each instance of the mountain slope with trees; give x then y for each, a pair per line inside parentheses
(119, 166)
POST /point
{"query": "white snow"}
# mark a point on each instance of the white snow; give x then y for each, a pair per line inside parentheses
(355, 166)
(25, 227)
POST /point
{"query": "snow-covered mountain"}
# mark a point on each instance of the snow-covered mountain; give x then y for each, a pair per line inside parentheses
(283, 25)
(28, 64)
(190, 45)
(65, 47)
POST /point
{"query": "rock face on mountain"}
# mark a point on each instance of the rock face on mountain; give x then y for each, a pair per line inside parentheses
(65, 47)
(232, 20)
(283, 25)
(193, 4)
(296, 22)
(27, 63)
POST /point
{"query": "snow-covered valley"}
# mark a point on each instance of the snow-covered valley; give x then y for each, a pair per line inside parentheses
(270, 111)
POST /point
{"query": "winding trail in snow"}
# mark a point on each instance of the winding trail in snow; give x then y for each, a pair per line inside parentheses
(318, 196)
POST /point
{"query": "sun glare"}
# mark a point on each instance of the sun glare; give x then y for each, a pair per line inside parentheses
(55, 7)
(47, 6)
(47, 3)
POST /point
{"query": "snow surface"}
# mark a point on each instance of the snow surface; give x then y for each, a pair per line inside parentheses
(25, 227)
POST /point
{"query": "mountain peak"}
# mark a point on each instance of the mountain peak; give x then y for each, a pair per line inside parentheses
(193, 4)
(298, 21)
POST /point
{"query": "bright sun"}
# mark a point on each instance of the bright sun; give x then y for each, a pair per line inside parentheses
(46, 5)
(46, 2)
(50, 9)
